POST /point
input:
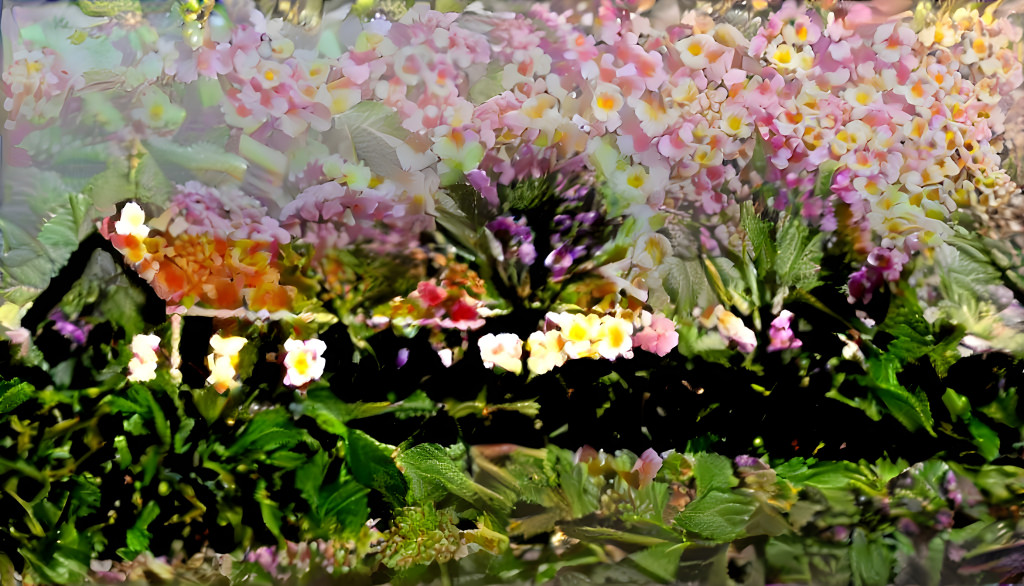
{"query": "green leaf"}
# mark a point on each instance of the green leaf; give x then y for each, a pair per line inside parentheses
(911, 409)
(713, 472)
(870, 559)
(799, 258)
(823, 183)
(369, 132)
(269, 430)
(759, 232)
(372, 465)
(686, 284)
(660, 561)
(431, 475)
(14, 393)
(984, 438)
(717, 515)
(137, 538)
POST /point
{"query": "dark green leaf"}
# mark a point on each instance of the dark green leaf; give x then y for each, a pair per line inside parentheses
(372, 465)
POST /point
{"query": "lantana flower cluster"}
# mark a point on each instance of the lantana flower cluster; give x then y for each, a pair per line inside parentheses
(224, 260)
(454, 301)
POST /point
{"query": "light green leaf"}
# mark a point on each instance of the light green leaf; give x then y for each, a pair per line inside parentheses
(713, 472)
(14, 393)
(660, 561)
(369, 132)
(717, 515)
(686, 284)
(870, 560)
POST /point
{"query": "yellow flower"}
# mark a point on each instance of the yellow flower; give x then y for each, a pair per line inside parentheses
(545, 350)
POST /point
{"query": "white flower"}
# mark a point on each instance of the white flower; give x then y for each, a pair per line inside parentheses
(304, 361)
(142, 366)
(132, 221)
(222, 362)
(504, 350)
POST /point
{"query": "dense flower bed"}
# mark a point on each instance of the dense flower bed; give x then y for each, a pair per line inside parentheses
(358, 299)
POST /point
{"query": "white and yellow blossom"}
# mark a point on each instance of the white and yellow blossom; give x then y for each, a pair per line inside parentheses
(304, 361)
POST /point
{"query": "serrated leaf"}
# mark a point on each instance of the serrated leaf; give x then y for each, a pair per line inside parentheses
(14, 393)
(759, 232)
(686, 283)
(717, 515)
(823, 183)
(986, 440)
(431, 475)
(180, 163)
(799, 255)
(372, 466)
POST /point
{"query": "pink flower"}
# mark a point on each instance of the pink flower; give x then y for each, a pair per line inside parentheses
(430, 293)
(782, 337)
(660, 337)
(647, 466)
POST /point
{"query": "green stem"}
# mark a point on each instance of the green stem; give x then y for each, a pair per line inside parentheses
(446, 578)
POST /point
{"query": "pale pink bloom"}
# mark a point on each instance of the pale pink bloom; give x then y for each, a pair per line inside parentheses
(504, 350)
(659, 337)
(647, 466)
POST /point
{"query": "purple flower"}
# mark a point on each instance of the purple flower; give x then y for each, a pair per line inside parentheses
(515, 237)
(70, 330)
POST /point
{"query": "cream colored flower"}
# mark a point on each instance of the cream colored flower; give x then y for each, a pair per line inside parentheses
(545, 350)
(142, 366)
(132, 222)
(504, 350)
(223, 361)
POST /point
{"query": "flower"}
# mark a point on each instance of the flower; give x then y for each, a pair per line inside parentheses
(142, 366)
(614, 338)
(504, 350)
(659, 336)
(782, 337)
(545, 350)
(222, 362)
(647, 466)
(304, 361)
(733, 328)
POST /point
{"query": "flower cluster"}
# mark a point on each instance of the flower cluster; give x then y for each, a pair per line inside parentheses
(453, 302)
(36, 84)
(199, 259)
